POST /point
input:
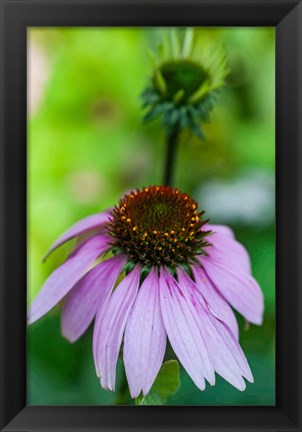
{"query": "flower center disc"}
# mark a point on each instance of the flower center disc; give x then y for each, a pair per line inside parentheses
(158, 225)
(183, 75)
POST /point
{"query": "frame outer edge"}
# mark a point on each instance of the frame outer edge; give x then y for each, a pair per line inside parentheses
(288, 169)
(14, 25)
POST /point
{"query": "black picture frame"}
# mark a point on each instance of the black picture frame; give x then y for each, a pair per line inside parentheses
(16, 16)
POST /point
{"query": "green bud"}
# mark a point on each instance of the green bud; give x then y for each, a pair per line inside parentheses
(186, 75)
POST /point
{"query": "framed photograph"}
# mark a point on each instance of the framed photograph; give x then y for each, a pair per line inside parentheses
(151, 215)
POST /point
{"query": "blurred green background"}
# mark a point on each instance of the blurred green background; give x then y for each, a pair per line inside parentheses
(87, 145)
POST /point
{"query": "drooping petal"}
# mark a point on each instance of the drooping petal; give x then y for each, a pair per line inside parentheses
(111, 327)
(228, 251)
(145, 338)
(233, 357)
(181, 324)
(240, 289)
(215, 300)
(224, 350)
(84, 225)
(86, 297)
(219, 229)
(66, 276)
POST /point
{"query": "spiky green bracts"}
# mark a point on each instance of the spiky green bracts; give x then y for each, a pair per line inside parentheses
(183, 86)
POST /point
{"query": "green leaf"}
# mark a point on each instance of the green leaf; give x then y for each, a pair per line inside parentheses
(166, 384)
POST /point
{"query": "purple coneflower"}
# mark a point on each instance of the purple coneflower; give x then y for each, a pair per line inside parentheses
(182, 276)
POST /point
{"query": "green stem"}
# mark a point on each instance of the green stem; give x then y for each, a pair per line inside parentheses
(172, 141)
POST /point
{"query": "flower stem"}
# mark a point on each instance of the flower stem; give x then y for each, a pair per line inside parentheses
(172, 141)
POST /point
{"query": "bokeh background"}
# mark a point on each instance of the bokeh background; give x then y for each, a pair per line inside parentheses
(87, 145)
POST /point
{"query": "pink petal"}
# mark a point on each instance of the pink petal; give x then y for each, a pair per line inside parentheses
(88, 223)
(111, 327)
(219, 229)
(66, 276)
(145, 338)
(215, 300)
(239, 289)
(181, 324)
(225, 353)
(228, 251)
(83, 301)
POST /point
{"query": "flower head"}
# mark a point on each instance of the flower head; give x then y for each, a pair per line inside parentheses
(158, 225)
(182, 276)
(185, 79)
